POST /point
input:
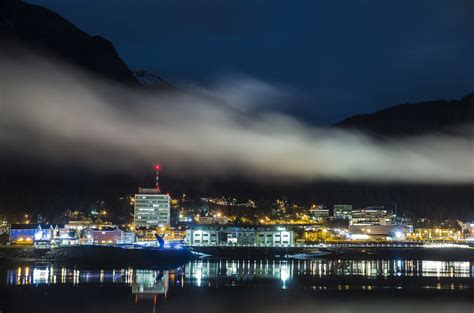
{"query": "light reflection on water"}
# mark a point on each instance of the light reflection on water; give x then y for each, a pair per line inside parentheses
(236, 286)
(221, 273)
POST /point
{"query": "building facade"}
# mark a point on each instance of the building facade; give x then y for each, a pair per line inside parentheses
(104, 235)
(372, 216)
(151, 209)
(319, 213)
(342, 211)
(200, 235)
(436, 234)
(275, 237)
(379, 232)
(128, 237)
(28, 233)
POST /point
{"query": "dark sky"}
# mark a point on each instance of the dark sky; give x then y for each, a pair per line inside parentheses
(346, 57)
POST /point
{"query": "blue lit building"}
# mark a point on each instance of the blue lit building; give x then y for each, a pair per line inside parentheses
(27, 233)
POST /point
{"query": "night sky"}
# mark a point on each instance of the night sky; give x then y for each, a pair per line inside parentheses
(344, 57)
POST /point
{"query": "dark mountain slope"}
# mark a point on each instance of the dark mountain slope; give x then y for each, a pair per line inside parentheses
(414, 118)
(48, 33)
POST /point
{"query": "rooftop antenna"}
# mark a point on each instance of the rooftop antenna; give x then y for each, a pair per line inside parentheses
(157, 178)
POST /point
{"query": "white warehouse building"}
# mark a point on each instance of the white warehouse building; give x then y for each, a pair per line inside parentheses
(208, 235)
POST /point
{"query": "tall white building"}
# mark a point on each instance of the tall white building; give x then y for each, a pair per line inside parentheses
(152, 209)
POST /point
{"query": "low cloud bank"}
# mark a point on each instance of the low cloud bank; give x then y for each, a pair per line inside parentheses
(56, 113)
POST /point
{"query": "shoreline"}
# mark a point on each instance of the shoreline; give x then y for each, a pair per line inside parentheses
(106, 255)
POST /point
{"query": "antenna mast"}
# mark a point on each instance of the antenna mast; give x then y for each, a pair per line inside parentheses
(157, 178)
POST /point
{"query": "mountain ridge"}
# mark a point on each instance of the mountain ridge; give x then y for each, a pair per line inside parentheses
(418, 118)
(48, 33)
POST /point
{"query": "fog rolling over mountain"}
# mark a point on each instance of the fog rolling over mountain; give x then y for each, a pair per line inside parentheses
(83, 122)
(68, 116)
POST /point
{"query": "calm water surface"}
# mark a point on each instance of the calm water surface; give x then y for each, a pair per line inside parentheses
(243, 286)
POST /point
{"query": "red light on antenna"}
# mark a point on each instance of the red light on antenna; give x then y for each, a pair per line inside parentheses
(157, 167)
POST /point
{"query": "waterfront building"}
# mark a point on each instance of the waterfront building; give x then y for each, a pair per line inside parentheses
(372, 216)
(104, 235)
(342, 211)
(379, 232)
(208, 235)
(30, 233)
(151, 209)
(27, 233)
(128, 237)
(177, 233)
(436, 234)
(242, 235)
(276, 237)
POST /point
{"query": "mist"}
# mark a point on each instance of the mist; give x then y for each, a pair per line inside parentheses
(54, 112)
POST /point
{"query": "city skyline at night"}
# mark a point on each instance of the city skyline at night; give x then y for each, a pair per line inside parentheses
(236, 156)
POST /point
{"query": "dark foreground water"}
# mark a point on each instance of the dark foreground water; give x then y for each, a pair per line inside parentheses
(318, 286)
